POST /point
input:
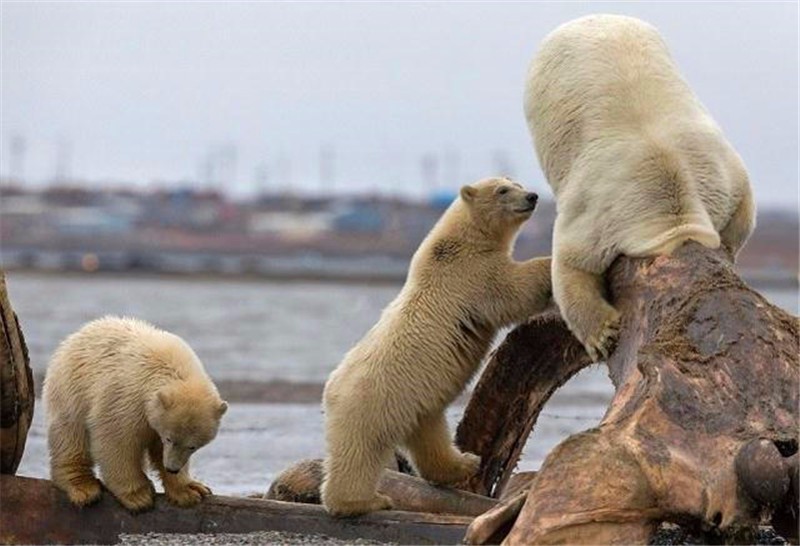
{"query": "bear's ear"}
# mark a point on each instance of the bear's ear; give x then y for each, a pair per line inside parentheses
(222, 408)
(468, 193)
(164, 399)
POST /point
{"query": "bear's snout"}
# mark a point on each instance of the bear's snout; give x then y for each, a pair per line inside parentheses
(531, 198)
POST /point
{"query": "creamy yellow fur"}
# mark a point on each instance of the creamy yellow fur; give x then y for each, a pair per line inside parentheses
(393, 387)
(119, 390)
(637, 164)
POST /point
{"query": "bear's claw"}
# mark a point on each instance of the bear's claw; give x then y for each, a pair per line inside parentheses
(602, 342)
(461, 468)
(187, 494)
(470, 464)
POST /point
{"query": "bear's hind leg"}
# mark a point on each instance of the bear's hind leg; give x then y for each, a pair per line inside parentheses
(740, 226)
(579, 295)
(435, 456)
(71, 463)
(353, 466)
(121, 458)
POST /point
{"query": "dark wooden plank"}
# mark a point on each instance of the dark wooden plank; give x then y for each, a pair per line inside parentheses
(533, 362)
(702, 430)
(35, 512)
(301, 483)
(16, 386)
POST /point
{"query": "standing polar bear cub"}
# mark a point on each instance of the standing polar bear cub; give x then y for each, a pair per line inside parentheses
(393, 387)
(636, 163)
(119, 390)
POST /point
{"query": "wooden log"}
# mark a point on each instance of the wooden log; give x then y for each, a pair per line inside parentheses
(16, 386)
(35, 512)
(492, 526)
(706, 373)
(301, 483)
(535, 360)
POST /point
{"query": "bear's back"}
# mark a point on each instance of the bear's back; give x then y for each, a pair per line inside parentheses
(602, 76)
(122, 355)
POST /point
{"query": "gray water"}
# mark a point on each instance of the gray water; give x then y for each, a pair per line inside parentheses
(252, 330)
(260, 331)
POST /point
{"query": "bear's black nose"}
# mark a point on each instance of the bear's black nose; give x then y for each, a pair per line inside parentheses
(532, 198)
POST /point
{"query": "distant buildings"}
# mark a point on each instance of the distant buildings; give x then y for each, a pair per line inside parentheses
(187, 231)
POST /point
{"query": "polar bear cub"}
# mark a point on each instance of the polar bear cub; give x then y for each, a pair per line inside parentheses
(116, 391)
(393, 387)
(636, 163)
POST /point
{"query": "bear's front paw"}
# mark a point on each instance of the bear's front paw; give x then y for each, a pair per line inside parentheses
(139, 499)
(470, 463)
(462, 467)
(84, 493)
(188, 494)
(601, 342)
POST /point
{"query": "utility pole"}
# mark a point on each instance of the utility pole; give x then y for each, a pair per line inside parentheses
(207, 171)
(429, 167)
(17, 160)
(228, 158)
(327, 166)
(261, 178)
(63, 174)
(283, 174)
(452, 163)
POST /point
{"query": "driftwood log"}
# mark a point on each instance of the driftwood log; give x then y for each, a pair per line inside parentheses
(16, 386)
(301, 483)
(702, 430)
(532, 363)
(35, 512)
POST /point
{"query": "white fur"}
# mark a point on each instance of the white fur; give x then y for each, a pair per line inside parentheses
(393, 387)
(637, 164)
(119, 392)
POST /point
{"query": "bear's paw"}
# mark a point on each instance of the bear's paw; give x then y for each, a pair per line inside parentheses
(188, 494)
(603, 340)
(350, 508)
(84, 493)
(139, 499)
(454, 471)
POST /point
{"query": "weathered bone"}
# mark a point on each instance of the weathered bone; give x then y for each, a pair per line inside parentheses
(706, 374)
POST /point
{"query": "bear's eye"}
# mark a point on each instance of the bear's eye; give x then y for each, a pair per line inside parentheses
(192, 448)
(502, 191)
(168, 440)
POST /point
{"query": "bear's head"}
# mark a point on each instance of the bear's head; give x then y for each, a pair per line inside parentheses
(499, 205)
(186, 416)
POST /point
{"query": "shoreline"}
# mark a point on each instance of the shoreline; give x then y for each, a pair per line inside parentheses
(243, 391)
(765, 279)
(280, 391)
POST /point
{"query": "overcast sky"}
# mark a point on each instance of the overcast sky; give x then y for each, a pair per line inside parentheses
(143, 92)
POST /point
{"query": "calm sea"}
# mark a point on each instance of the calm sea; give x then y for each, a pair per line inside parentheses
(259, 331)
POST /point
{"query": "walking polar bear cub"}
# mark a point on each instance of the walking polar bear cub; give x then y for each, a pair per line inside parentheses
(393, 387)
(636, 163)
(119, 390)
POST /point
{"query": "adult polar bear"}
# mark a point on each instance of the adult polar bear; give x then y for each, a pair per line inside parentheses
(637, 164)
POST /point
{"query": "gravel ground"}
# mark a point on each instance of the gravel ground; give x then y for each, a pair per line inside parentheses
(672, 535)
(668, 535)
(264, 537)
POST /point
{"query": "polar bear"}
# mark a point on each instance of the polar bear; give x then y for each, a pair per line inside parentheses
(392, 389)
(119, 389)
(636, 163)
